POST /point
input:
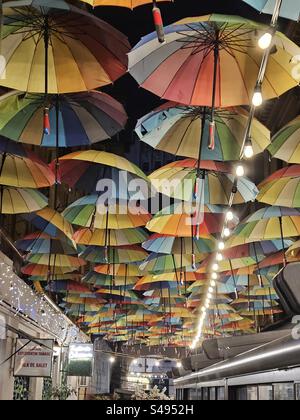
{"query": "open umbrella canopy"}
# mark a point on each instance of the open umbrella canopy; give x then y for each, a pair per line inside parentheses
(22, 172)
(119, 270)
(289, 9)
(178, 130)
(42, 243)
(185, 66)
(177, 222)
(162, 263)
(178, 180)
(91, 212)
(130, 4)
(101, 280)
(55, 260)
(164, 244)
(257, 248)
(43, 270)
(51, 222)
(267, 224)
(114, 255)
(21, 201)
(285, 144)
(56, 277)
(83, 52)
(119, 237)
(83, 118)
(66, 287)
(281, 192)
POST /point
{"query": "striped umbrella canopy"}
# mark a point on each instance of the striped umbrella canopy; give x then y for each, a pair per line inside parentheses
(51, 222)
(178, 180)
(281, 192)
(292, 171)
(55, 260)
(12, 148)
(43, 270)
(130, 4)
(221, 288)
(100, 280)
(259, 292)
(57, 277)
(86, 165)
(285, 144)
(177, 129)
(62, 48)
(22, 172)
(244, 326)
(245, 303)
(166, 244)
(241, 281)
(119, 270)
(230, 264)
(119, 237)
(294, 250)
(66, 287)
(277, 259)
(267, 224)
(114, 255)
(91, 212)
(140, 286)
(21, 201)
(42, 243)
(162, 263)
(183, 276)
(289, 9)
(257, 248)
(179, 221)
(79, 119)
(212, 61)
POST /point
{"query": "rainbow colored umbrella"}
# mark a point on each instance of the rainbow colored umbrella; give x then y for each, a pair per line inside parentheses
(119, 237)
(164, 244)
(62, 48)
(21, 201)
(66, 287)
(161, 263)
(285, 144)
(130, 4)
(51, 222)
(281, 192)
(114, 255)
(43, 270)
(101, 280)
(91, 212)
(118, 270)
(177, 130)
(212, 61)
(75, 120)
(56, 277)
(55, 260)
(22, 172)
(42, 243)
(289, 9)
(179, 179)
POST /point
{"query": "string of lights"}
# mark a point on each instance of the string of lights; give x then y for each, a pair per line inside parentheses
(265, 43)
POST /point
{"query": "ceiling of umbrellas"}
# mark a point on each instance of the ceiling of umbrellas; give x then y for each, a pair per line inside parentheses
(115, 266)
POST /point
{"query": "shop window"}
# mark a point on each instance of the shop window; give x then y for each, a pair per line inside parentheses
(284, 392)
(212, 394)
(220, 394)
(297, 389)
(265, 393)
(21, 388)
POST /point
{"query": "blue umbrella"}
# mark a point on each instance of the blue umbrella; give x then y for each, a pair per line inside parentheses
(290, 9)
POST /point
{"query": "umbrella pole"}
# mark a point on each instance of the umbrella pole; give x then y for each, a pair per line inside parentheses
(211, 145)
(257, 264)
(282, 241)
(234, 280)
(56, 152)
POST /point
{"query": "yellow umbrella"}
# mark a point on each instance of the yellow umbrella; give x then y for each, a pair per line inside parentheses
(55, 260)
(120, 237)
(21, 201)
(130, 4)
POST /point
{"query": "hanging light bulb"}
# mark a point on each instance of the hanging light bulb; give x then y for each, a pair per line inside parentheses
(210, 289)
(214, 276)
(213, 283)
(240, 171)
(265, 40)
(219, 257)
(257, 99)
(229, 216)
(226, 232)
(221, 245)
(215, 267)
(248, 149)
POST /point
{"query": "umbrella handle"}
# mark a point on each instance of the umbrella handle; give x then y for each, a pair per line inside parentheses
(158, 22)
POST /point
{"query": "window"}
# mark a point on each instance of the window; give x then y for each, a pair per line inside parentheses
(265, 393)
(205, 394)
(220, 394)
(212, 394)
(284, 392)
(252, 393)
(297, 389)
(241, 394)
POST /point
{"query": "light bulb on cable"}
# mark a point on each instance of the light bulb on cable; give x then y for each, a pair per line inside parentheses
(257, 99)
(240, 171)
(215, 267)
(248, 149)
(221, 246)
(213, 283)
(229, 216)
(265, 40)
(219, 257)
(214, 276)
(226, 232)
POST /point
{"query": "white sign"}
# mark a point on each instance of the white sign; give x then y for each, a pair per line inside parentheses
(81, 352)
(34, 360)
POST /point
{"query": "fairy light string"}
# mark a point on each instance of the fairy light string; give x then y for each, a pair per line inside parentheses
(264, 43)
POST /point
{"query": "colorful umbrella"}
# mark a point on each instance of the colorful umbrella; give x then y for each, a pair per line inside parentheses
(163, 244)
(281, 192)
(43, 270)
(285, 144)
(51, 222)
(212, 61)
(22, 172)
(66, 287)
(91, 212)
(161, 263)
(267, 224)
(118, 270)
(120, 237)
(130, 4)
(179, 179)
(83, 118)
(114, 255)
(42, 243)
(62, 48)
(21, 201)
(176, 129)
(289, 9)
(100, 280)
(55, 260)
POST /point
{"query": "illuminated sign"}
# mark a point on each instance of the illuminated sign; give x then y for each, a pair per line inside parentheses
(81, 358)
